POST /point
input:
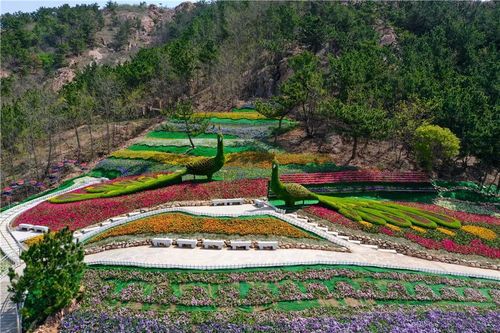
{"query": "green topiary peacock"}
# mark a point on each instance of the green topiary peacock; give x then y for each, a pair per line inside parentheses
(209, 166)
(356, 209)
(205, 167)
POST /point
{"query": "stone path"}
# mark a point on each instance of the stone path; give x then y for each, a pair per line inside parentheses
(172, 257)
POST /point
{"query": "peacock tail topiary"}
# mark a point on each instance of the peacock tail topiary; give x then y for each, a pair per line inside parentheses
(124, 187)
(356, 209)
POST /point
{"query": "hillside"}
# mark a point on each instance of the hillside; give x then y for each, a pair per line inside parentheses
(359, 77)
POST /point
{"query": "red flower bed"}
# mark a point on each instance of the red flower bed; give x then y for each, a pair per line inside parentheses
(359, 176)
(476, 246)
(462, 216)
(332, 216)
(80, 214)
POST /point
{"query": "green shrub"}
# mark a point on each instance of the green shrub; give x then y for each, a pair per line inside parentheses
(432, 143)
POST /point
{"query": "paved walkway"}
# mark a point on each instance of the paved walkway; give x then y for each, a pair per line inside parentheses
(173, 257)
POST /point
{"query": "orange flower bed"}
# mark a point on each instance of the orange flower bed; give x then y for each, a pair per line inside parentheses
(186, 224)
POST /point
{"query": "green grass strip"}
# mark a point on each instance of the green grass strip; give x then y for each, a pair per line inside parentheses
(183, 135)
(198, 151)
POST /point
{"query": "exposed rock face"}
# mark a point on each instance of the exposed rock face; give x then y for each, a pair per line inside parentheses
(185, 7)
(63, 76)
(387, 34)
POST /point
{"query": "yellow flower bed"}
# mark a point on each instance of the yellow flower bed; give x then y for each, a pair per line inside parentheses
(186, 224)
(231, 115)
(481, 232)
(167, 158)
(393, 227)
(446, 231)
(247, 158)
(264, 159)
(419, 229)
(366, 224)
(32, 241)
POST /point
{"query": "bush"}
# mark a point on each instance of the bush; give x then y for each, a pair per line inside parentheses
(51, 279)
(433, 143)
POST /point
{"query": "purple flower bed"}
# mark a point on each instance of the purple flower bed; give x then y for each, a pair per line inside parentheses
(398, 321)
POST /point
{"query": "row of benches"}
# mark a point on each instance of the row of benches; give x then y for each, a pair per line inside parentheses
(215, 244)
(31, 227)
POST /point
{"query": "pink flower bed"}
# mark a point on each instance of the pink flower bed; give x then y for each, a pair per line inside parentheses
(80, 214)
(476, 246)
(462, 216)
(356, 176)
(332, 216)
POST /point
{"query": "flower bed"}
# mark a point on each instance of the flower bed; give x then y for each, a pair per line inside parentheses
(462, 216)
(377, 321)
(268, 287)
(198, 151)
(250, 115)
(183, 135)
(363, 176)
(185, 224)
(80, 214)
(242, 159)
(478, 239)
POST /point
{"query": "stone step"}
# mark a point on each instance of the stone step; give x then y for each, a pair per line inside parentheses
(354, 241)
(343, 237)
(369, 246)
(388, 250)
(332, 233)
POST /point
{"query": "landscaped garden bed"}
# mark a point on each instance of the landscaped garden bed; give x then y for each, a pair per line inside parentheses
(178, 223)
(77, 215)
(475, 238)
(276, 298)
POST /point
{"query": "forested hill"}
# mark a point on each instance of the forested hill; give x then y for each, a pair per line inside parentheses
(361, 70)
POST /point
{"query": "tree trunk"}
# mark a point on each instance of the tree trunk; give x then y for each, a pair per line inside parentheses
(89, 126)
(108, 136)
(49, 156)
(78, 145)
(354, 149)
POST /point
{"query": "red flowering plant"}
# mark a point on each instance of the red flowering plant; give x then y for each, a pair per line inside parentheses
(80, 214)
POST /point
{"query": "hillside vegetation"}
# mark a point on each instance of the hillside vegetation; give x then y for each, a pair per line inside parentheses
(366, 72)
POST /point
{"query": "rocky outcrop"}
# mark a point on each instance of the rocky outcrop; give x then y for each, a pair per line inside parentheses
(387, 34)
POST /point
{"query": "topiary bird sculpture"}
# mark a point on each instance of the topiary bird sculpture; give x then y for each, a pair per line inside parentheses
(356, 209)
(208, 166)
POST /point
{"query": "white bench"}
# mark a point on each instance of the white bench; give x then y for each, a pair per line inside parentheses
(105, 223)
(114, 219)
(166, 242)
(87, 230)
(191, 243)
(228, 202)
(271, 245)
(259, 203)
(133, 214)
(25, 227)
(213, 243)
(40, 228)
(235, 245)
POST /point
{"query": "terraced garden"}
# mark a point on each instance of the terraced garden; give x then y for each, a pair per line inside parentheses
(404, 207)
(283, 298)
